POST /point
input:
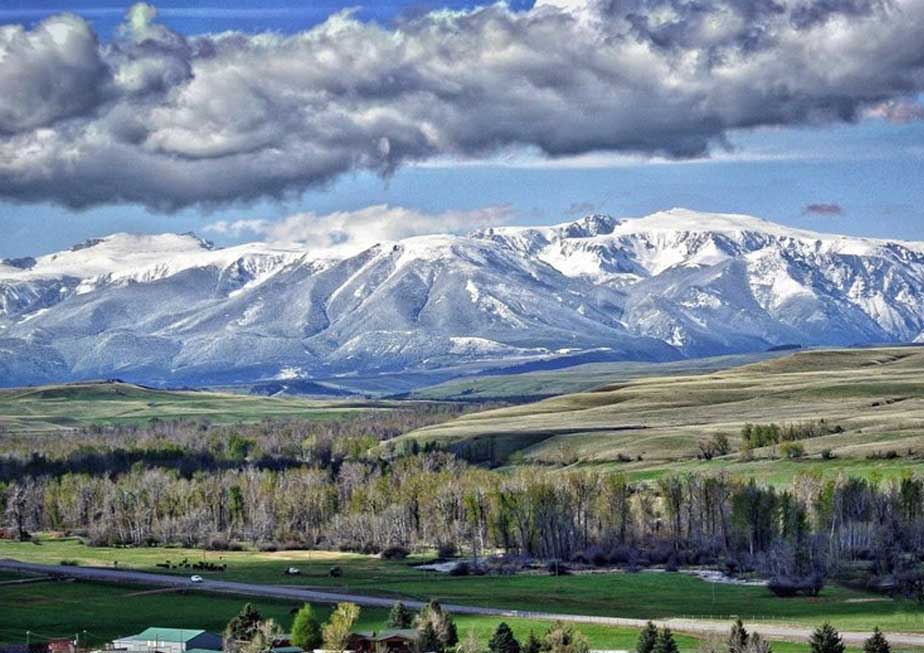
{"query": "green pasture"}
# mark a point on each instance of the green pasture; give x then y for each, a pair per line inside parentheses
(640, 595)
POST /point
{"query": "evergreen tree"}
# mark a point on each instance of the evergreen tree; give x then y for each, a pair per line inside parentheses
(877, 643)
(666, 643)
(503, 641)
(647, 639)
(532, 645)
(826, 640)
(738, 638)
(400, 616)
(306, 631)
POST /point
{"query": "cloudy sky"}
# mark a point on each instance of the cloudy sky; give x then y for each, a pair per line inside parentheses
(322, 120)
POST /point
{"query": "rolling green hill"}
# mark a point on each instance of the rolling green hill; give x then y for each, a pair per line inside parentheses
(876, 395)
(72, 405)
(579, 378)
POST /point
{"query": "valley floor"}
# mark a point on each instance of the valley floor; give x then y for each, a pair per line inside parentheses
(640, 595)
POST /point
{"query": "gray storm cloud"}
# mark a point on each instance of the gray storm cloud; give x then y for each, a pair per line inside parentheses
(165, 120)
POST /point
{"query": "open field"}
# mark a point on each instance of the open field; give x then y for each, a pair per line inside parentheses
(642, 595)
(579, 378)
(62, 609)
(48, 408)
(876, 395)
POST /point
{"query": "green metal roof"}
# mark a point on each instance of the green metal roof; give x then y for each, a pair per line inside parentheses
(178, 635)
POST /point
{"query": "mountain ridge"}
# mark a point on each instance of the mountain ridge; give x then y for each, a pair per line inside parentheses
(172, 308)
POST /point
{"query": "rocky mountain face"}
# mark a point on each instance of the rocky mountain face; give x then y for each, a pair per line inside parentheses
(172, 309)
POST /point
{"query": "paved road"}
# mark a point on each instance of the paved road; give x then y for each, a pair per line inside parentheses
(122, 576)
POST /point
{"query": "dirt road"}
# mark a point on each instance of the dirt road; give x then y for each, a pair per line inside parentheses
(909, 641)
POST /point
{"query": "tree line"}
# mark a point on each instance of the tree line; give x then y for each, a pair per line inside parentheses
(796, 535)
(436, 632)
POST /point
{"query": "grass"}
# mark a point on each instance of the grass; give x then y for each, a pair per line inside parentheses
(876, 395)
(642, 595)
(100, 612)
(50, 408)
(578, 378)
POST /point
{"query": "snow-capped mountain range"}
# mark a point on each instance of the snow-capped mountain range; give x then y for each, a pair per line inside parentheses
(172, 309)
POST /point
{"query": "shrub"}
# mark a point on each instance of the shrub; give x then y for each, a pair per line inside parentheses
(217, 543)
(461, 569)
(786, 587)
(394, 553)
(792, 450)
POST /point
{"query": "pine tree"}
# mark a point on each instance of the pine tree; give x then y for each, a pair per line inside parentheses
(647, 639)
(877, 643)
(503, 641)
(826, 640)
(306, 631)
(738, 638)
(666, 643)
(532, 645)
(400, 616)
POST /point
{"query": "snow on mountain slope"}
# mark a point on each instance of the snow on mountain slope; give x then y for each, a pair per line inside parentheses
(173, 309)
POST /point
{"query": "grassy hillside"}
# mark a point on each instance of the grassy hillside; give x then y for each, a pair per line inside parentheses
(876, 395)
(79, 404)
(580, 378)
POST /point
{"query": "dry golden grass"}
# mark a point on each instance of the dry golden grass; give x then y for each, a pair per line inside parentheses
(876, 395)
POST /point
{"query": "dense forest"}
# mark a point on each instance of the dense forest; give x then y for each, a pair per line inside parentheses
(323, 484)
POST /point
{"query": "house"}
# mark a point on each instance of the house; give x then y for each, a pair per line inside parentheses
(169, 640)
(283, 644)
(393, 641)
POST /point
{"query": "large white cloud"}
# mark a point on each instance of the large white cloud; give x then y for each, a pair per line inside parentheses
(168, 121)
(349, 232)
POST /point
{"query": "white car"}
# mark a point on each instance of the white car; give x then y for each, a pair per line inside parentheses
(195, 579)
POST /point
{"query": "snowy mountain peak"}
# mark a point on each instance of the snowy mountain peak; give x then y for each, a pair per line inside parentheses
(596, 224)
(171, 308)
(685, 220)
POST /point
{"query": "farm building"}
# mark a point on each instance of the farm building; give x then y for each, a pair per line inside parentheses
(392, 641)
(169, 640)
